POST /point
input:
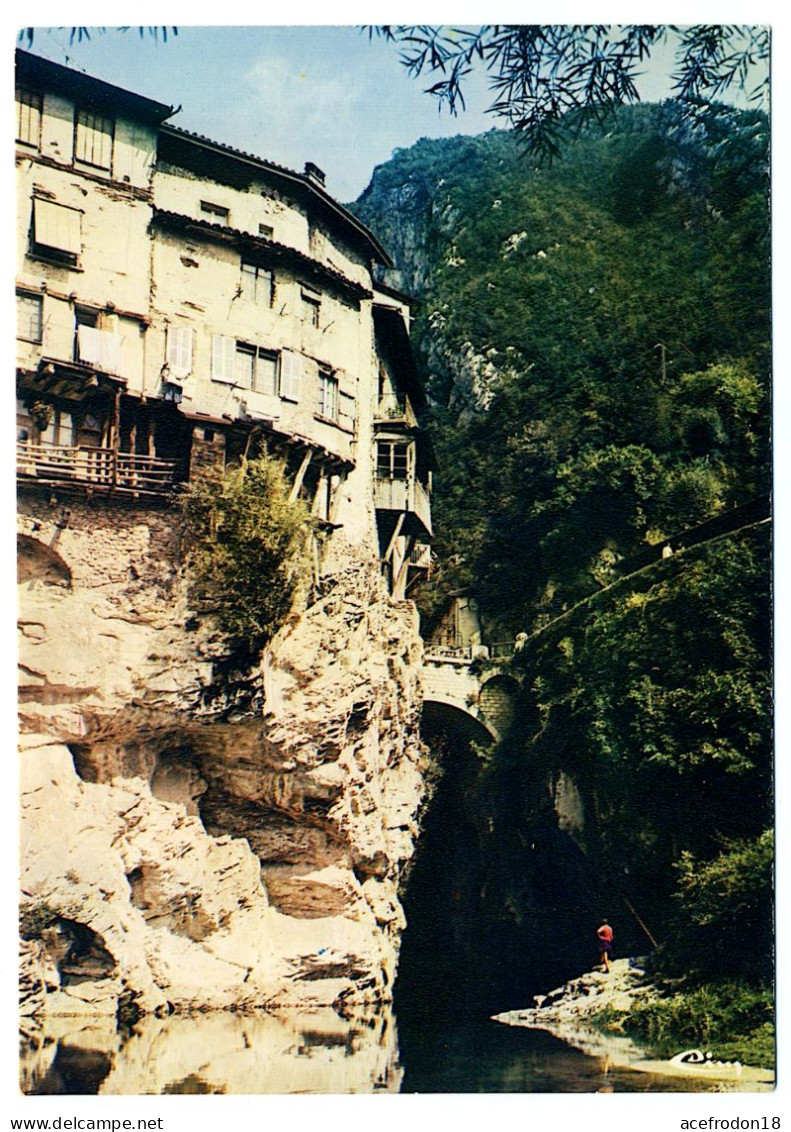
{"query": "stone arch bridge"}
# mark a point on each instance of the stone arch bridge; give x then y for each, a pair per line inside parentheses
(478, 700)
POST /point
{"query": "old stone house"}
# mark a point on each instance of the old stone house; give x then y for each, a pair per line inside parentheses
(179, 301)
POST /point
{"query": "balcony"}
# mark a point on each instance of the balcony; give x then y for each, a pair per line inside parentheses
(407, 497)
(420, 558)
(100, 468)
(395, 408)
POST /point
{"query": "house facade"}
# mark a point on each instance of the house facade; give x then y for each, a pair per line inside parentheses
(180, 303)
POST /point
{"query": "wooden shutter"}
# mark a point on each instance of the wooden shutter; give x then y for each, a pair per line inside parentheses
(290, 375)
(179, 352)
(56, 226)
(223, 358)
(347, 411)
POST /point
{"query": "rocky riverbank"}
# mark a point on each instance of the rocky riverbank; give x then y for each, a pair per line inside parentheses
(569, 1012)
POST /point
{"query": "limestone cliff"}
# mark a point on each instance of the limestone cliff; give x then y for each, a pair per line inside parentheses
(196, 836)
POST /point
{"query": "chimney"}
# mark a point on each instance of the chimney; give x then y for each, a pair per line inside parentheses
(314, 174)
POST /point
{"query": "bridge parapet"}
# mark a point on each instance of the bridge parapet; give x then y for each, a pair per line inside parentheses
(500, 650)
(452, 680)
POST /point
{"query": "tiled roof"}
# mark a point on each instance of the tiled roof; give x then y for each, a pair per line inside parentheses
(225, 233)
(305, 182)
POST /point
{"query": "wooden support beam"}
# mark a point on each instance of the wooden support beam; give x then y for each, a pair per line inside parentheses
(316, 559)
(320, 507)
(335, 495)
(393, 537)
(303, 467)
(399, 582)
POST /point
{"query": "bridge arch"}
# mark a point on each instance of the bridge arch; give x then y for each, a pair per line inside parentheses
(443, 714)
(469, 698)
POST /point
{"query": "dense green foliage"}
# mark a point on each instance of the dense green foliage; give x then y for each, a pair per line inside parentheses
(595, 340)
(732, 1020)
(245, 543)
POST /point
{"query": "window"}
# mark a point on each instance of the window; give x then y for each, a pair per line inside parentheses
(266, 230)
(392, 460)
(29, 310)
(244, 371)
(60, 430)
(85, 319)
(256, 369)
(328, 395)
(93, 139)
(265, 378)
(217, 213)
(241, 364)
(24, 423)
(57, 230)
(89, 431)
(290, 375)
(179, 351)
(28, 118)
(257, 283)
(311, 306)
(223, 359)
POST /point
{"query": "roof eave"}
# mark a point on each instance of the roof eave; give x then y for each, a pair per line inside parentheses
(300, 180)
(34, 69)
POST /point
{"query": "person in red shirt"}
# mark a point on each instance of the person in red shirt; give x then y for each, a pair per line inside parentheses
(605, 937)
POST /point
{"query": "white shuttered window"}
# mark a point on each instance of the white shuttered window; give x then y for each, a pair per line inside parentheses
(180, 350)
(223, 358)
(28, 121)
(290, 375)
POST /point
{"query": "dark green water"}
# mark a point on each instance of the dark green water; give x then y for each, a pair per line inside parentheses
(488, 1057)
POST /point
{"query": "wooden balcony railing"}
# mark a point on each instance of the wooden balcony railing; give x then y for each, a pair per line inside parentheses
(420, 558)
(100, 467)
(409, 496)
(395, 407)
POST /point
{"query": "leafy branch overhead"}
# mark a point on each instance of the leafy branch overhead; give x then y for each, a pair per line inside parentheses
(548, 80)
(80, 34)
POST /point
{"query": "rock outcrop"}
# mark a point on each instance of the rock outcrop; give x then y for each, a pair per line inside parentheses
(579, 999)
(196, 836)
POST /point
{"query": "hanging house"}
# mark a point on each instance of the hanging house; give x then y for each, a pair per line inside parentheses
(179, 300)
(85, 155)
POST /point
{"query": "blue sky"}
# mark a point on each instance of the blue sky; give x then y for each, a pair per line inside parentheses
(290, 94)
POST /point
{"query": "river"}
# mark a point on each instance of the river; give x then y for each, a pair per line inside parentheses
(316, 1052)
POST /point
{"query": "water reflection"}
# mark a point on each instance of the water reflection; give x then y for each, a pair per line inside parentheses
(319, 1052)
(294, 1052)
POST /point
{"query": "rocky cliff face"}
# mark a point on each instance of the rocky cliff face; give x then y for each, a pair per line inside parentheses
(196, 836)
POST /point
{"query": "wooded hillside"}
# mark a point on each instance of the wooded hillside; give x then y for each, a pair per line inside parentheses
(595, 338)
